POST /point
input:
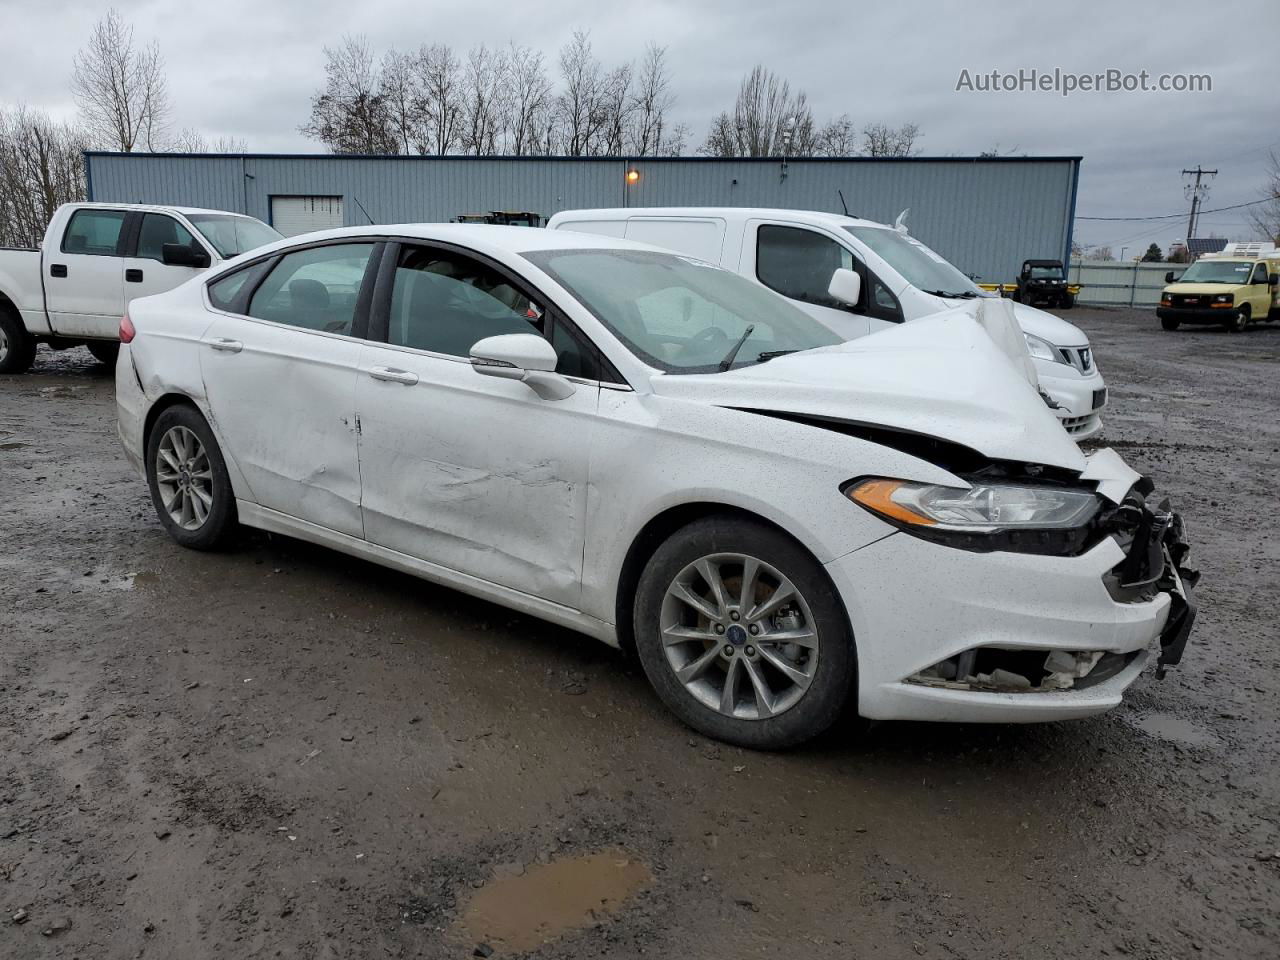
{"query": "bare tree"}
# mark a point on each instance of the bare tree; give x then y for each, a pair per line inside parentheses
(483, 102)
(41, 168)
(615, 107)
(579, 102)
(1265, 217)
(768, 120)
(837, 138)
(881, 140)
(439, 86)
(120, 89)
(191, 140)
(351, 114)
(397, 86)
(650, 103)
(528, 100)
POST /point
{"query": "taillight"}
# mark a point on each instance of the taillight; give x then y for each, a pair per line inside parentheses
(126, 329)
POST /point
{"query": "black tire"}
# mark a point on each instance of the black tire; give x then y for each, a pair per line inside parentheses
(1239, 321)
(1170, 324)
(17, 346)
(1068, 301)
(105, 351)
(818, 705)
(220, 522)
(1016, 296)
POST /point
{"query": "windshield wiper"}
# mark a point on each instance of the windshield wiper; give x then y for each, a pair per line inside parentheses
(951, 295)
(727, 362)
(770, 354)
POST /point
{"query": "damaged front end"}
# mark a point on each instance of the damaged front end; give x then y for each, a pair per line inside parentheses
(1155, 547)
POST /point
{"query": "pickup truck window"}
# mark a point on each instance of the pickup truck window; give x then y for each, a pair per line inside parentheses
(232, 235)
(157, 230)
(94, 233)
(315, 288)
(798, 263)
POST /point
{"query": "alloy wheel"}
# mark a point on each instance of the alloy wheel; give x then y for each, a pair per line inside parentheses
(184, 478)
(739, 636)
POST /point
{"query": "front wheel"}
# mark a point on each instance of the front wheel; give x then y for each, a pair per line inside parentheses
(105, 351)
(1240, 321)
(742, 635)
(1170, 324)
(17, 346)
(190, 487)
(1068, 301)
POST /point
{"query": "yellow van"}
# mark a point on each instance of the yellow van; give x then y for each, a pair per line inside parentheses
(1234, 288)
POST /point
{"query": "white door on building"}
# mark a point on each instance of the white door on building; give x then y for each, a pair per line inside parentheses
(294, 215)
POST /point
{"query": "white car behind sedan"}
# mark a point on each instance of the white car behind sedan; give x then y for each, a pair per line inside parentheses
(661, 454)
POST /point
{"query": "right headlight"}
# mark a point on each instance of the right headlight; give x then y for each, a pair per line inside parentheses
(991, 516)
(1043, 349)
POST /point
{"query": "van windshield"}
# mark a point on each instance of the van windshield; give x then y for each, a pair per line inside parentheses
(1217, 271)
(679, 314)
(918, 265)
(232, 235)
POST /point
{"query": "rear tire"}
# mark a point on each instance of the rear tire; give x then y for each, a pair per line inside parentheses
(105, 351)
(1068, 301)
(17, 346)
(780, 692)
(1170, 324)
(1240, 321)
(190, 486)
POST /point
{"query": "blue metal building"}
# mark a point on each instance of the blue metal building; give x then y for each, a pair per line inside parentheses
(986, 215)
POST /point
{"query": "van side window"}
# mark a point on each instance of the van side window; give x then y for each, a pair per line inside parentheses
(798, 263)
(94, 233)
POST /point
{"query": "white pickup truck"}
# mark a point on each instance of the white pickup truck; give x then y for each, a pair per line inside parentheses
(95, 259)
(796, 252)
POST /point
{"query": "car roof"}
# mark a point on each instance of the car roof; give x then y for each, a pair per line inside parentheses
(819, 217)
(518, 240)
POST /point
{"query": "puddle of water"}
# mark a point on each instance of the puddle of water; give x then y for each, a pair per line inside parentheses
(520, 913)
(1165, 726)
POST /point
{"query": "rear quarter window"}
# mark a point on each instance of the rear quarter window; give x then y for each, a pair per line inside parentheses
(230, 292)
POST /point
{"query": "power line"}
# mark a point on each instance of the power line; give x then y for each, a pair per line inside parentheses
(1179, 216)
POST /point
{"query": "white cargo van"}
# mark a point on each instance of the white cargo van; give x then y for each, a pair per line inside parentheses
(796, 252)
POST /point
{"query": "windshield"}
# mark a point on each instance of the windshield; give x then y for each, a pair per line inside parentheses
(1045, 273)
(232, 235)
(679, 314)
(918, 265)
(1217, 271)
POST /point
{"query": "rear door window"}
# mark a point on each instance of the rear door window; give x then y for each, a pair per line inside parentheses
(315, 289)
(94, 233)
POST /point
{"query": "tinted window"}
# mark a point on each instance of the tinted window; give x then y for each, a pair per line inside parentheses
(1260, 273)
(93, 232)
(224, 293)
(799, 263)
(157, 230)
(444, 302)
(315, 289)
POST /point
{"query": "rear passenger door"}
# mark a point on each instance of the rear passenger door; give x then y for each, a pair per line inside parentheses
(279, 363)
(145, 272)
(84, 277)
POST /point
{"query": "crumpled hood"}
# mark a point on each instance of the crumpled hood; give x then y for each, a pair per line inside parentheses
(1041, 324)
(941, 376)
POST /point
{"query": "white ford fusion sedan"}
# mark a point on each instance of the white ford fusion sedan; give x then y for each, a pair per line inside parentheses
(661, 454)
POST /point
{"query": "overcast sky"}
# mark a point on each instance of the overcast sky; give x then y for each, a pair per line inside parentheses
(247, 68)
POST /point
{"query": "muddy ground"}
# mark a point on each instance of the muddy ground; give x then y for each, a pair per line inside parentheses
(281, 752)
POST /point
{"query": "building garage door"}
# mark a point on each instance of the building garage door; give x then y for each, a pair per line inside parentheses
(295, 215)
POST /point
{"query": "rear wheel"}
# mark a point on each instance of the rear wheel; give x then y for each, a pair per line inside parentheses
(1238, 322)
(1068, 301)
(190, 488)
(17, 347)
(742, 635)
(1170, 324)
(104, 351)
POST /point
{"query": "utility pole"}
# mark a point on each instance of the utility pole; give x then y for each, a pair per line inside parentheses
(1196, 193)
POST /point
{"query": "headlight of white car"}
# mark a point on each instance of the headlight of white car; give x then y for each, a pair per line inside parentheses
(985, 516)
(1044, 350)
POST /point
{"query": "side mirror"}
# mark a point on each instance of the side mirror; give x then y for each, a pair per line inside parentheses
(1274, 279)
(1168, 277)
(845, 287)
(182, 255)
(521, 356)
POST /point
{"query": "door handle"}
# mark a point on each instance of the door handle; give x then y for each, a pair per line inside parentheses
(57, 269)
(133, 276)
(226, 344)
(394, 375)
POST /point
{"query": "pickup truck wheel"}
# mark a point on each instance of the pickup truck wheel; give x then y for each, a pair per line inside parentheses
(1170, 324)
(17, 347)
(1238, 322)
(105, 351)
(742, 635)
(190, 487)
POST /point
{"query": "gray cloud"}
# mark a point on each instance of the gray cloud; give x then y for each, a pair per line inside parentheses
(247, 68)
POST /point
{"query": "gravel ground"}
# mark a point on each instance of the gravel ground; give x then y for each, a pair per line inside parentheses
(278, 751)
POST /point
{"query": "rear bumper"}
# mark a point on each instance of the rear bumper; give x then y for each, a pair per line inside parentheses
(131, 410)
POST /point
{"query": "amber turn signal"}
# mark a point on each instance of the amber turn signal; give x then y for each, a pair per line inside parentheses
(877, 495)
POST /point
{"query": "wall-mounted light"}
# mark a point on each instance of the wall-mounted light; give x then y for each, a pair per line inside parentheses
(633, 177)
